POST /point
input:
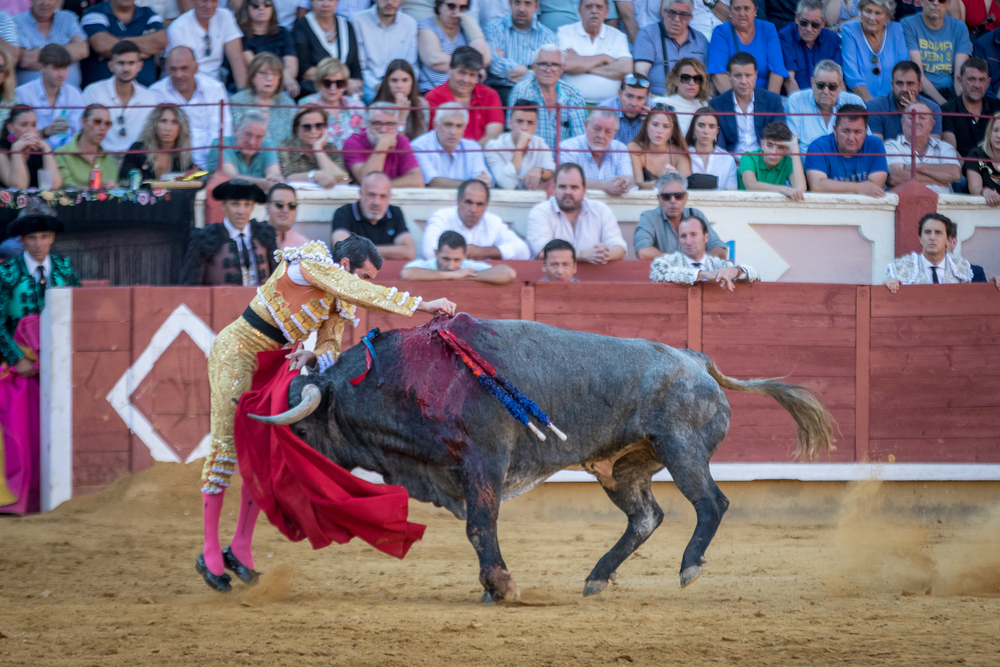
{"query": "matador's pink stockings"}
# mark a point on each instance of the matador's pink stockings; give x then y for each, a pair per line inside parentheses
(212, 510)
(242, 543)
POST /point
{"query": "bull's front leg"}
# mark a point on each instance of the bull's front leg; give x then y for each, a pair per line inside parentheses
(483, 486)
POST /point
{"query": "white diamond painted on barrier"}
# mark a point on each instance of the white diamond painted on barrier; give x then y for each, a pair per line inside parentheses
(120, 397)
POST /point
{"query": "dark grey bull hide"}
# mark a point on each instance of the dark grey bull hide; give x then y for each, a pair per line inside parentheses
(628, 406)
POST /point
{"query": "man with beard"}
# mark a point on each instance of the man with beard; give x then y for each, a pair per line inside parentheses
(964, 132)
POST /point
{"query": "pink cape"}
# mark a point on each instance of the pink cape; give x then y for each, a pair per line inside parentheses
(19, 425)
(304, 494)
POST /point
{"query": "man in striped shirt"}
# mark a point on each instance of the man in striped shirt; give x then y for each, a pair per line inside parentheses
(514, 40)
(546, 90)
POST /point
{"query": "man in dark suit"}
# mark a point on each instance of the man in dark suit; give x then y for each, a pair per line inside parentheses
(741, 133)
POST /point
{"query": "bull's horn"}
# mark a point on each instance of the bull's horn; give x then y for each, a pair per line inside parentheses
(311, 397)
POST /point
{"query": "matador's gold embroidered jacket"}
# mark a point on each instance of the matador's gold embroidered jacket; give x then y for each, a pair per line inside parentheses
(330, 298)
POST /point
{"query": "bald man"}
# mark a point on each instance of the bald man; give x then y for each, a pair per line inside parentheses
(373, 218)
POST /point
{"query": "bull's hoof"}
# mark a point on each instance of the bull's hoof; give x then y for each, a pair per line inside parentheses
(486, 598)
(689, 575)
(593, 587)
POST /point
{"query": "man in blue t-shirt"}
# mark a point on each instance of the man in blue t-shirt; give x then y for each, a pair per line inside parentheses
(108, 23)
(850, 160)
(885, 111)
(939, 44)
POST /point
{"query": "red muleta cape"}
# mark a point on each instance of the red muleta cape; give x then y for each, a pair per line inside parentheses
(304, 494)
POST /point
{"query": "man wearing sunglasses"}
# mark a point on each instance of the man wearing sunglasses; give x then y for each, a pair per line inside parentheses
(658, 230)
(672, 37)
(939, 44)
(630, 105)
(212, 35)
(129, 102)
(382, 148)
(987, 47)
(597, 56)
(813, 110)
(805, 42)
(281, 213)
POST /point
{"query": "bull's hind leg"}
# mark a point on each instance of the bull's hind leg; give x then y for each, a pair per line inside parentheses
(628, 487)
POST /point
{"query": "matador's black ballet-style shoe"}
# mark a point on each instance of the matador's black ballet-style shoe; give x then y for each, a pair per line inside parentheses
(244, 573)
(218, 582)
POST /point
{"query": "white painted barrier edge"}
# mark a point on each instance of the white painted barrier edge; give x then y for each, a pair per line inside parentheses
(56, 400)
(828, 472)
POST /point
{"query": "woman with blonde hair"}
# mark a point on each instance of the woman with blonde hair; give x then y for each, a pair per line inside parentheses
(688, 89)
(8, 82)
(658, 148)
(982, 167)
(345, 117)
(166, 128)
(871, 48)
(265, 89)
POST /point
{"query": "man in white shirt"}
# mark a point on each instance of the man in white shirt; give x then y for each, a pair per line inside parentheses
(934, 264)
(519, 159)
(52, 98)
(597, 56)
(569, 215)
(384, 34)
(604, 160)
(451, 262)
(440, 164)
(692, 264)
(211, 33)
(185, 86)
(123, 97)
(487, 236)
(708, 14)
(937, 161)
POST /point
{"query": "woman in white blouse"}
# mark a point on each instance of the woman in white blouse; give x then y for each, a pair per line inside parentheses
(706, 156)
(687, 90)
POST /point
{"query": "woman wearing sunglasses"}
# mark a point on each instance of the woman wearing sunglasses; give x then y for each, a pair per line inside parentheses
(706, 156)
(75, 169)
(264, 94)
(452, 26)
(346, 117)
(399, 86)
(687, 90)
(310, 157)
(659, 148)
(166, 128)
(871, 48)
(261, 33)
(19, 135)
(322, 34)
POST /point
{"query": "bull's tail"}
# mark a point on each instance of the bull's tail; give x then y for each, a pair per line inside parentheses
(812, 420)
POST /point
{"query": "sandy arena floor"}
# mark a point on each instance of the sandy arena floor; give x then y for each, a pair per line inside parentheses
(109, 580)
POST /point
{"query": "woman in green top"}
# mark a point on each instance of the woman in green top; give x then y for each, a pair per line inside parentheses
(265, 92)
(75, 169)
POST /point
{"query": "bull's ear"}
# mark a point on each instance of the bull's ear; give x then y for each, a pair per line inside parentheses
(312, 396)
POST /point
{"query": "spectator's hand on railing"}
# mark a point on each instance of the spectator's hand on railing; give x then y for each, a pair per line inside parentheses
(599, 254)
(893, 285)
(792, 193)
(620, 185)
(992, 197)
(324, 179)
(485, 178)
(871, 190)
(460, 274)
(533, 179)
(726, 277)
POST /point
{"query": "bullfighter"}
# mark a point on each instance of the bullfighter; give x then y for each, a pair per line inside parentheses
(310, 290)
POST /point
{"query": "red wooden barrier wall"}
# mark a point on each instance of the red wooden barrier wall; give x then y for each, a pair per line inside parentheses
(912, 375)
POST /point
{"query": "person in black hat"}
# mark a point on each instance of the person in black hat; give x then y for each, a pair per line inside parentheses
(24, 278)
(236, 251)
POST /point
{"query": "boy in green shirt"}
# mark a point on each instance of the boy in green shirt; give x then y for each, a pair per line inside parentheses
(773, 169)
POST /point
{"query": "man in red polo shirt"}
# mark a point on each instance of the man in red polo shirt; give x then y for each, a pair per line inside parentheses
(381, 147)
(462, 86)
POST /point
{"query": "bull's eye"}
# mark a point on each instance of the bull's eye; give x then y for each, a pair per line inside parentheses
(300, 431)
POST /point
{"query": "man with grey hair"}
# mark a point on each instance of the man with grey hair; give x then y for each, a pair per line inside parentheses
(937, 161)
(597, 55)
(824, 97)
(514, 39)
(657, 231)
(242, 155)
(380, 147)
(674, 34)
(547, 91)
(805, 42)
(604, 160)
(446, 158)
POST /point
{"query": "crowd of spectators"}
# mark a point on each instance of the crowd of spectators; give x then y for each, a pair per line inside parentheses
(819, 96)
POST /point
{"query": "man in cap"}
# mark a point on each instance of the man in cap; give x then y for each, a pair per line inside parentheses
(25, 277)
(312, 289)
(236, 251)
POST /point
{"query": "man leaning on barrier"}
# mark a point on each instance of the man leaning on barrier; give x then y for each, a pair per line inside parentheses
(656, 233)
(937, 161)
(849, 160)
(692, 264)
(933, 264)
(451, 262)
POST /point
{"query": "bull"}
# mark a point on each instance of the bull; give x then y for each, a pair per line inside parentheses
(630, 407)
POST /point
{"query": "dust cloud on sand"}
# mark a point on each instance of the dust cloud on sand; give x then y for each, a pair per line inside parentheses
(108, 580)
